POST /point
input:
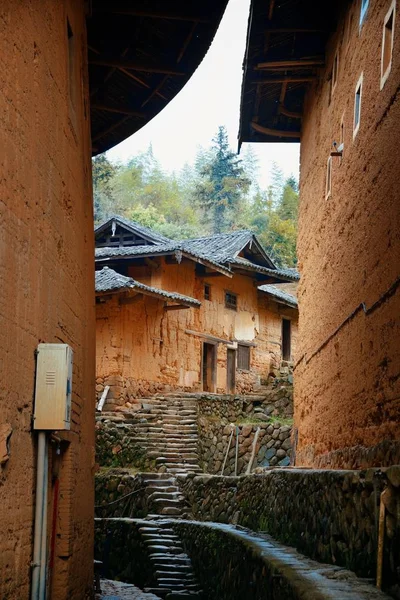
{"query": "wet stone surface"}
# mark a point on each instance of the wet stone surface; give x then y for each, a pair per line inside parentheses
(117, 590)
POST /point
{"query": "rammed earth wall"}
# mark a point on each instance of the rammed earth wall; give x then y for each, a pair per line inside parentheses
(331, 516)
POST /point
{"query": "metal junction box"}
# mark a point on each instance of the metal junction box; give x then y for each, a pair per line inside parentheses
(53, 387)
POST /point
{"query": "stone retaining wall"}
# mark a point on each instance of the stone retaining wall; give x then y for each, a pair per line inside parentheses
(331, 516)
(219, 415)
(116, 446)
(120, 493)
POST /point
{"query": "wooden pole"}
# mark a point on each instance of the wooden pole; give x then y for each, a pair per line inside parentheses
(227, 452)
(103, 398)
(381, 540)
(253, 452)
(237, 450)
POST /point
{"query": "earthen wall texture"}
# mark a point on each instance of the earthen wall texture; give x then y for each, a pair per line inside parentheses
(347, 380)
(47, 283)
(143, 349)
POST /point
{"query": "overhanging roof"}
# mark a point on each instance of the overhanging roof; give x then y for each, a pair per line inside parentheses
(145, 232)
(279, 295)
(285, 52)
(141, 54)
(109, 281)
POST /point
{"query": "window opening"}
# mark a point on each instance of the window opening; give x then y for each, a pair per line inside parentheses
(243, 357)
(357, 106)
(231, 300)
(387, 44)
(335, 71)
(207, 292)
(286, 339)
(363, 11)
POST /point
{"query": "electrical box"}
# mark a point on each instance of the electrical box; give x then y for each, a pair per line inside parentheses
(53, 387)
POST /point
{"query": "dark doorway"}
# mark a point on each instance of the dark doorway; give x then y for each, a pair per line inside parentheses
(231, 371)
(286, 339)
(209, 367)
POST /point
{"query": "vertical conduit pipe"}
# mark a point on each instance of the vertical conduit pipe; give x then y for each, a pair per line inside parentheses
(43, 554)
(37, 538)
(237, 450)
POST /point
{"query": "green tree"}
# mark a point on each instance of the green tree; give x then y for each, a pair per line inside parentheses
(223, 184)
(103, 172)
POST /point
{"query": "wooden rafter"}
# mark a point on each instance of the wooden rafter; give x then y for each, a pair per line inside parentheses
(285, 79)
(290, 64)
(289, 113)
(275, 132)
(120, 110)
(134, 65)
(114, 8)
(104, 132)
(176, 306)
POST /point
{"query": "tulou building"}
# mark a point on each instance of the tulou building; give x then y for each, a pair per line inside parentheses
(330, 79)
(194, 315)
(76, 77)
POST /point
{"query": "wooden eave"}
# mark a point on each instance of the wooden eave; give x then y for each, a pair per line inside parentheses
(285, 52)
(141, 53)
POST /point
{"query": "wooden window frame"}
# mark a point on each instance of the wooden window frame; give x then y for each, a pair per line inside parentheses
(391, 14)
(247, 360)
(358, 91)
(328, 181)
(207, 292)
(228, 304)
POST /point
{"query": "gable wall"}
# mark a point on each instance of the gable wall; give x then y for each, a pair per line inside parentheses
(347, 394)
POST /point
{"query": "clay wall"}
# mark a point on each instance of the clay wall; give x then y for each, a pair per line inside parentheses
(143, 349)
(347, 397)
(46, 292)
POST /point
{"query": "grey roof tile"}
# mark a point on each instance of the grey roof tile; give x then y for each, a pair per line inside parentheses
(279, 295)
(107, 281)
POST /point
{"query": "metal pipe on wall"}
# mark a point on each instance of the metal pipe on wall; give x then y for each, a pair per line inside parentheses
(40, 538)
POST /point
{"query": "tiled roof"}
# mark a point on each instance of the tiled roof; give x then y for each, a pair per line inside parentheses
(220, 246)
(279, 295)
(285, 274)
(108, 281)
(173, 247)
(146, 232)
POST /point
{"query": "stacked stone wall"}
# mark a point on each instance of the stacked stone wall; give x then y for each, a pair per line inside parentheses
(331, 516)
(270, 413)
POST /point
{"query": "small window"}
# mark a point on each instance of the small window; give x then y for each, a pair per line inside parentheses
(363, 11)
(243, 357)
(286, 339)
(341, 140)
(357, 106)
(207, 292)
(387, 44)
(231, 300)
(328, 186)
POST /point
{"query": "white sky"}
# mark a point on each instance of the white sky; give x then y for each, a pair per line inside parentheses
(211, 98)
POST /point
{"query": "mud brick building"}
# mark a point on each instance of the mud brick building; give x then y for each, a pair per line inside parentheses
(53, 51)
(330, 79)
(187, 316)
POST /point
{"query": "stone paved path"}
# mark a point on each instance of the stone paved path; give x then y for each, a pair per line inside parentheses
(116, 590)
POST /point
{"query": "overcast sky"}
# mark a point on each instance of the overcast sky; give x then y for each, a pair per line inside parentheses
(211, 98)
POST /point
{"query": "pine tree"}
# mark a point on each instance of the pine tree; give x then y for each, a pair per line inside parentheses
(223, 184)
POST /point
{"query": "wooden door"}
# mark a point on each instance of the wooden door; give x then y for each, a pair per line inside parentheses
(209, 367)
(231, 371)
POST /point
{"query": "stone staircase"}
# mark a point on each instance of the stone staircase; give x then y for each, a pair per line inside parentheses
(173, 574)
(166, 428)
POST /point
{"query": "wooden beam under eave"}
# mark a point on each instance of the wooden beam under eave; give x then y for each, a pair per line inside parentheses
(286, 79)
(134, 65)
(289, 113)
(151, 263)
(175, 306)
(212, 274)
(288, 64)
(124, 110)
(270, 27)
(112, 8)
(275, 132)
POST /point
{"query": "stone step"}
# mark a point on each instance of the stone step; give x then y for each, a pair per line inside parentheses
(179, 459)
(168, 501)
(171, 511)
(164, 541)
(172, 560)
(161, 489)
(165, 496)
(163, 548)
(163, 569)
